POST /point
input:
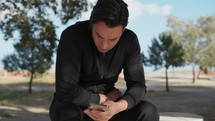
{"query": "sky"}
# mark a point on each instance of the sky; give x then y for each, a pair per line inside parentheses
(148, 18)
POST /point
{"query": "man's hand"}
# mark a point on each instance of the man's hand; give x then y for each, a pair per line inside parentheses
(113, 108)
(98, 115)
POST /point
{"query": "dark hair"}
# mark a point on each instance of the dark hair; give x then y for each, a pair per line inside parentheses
(112, 12)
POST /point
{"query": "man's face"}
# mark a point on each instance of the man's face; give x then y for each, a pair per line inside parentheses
(105, 38)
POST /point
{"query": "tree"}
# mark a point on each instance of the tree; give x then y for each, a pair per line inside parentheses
(206, 54)
(144, 59)
(190, 36)
(34, 52)
(197, 39)
(165, 53)
(30, 25)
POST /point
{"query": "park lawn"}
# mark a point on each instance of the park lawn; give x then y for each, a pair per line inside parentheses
(10, 97)
(25, 80)
(15, 98)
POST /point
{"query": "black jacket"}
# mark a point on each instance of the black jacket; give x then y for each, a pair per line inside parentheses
(82, 71)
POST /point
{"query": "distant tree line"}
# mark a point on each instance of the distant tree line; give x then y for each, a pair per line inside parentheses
(186, 43)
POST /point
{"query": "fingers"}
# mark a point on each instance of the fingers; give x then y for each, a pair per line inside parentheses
(96, 115)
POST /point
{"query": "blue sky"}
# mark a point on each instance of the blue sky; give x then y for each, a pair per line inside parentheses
(147, 19)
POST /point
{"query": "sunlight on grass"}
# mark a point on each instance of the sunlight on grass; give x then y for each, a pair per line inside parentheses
(10, 78)
(25, 80)
(121, 83)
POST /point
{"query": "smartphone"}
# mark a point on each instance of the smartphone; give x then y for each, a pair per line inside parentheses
(100, 107)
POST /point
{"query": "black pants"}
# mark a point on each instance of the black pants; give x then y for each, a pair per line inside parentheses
(144, 111)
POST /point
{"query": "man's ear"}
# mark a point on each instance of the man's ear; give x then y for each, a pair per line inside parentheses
(123, 29)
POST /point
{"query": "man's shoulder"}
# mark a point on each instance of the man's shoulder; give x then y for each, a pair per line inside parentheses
(129, 33)
(129, 36)
(76, 34)
(79, 26)
(129, 40)
(82, 24)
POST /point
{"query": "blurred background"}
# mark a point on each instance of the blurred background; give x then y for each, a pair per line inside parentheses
(177, 40)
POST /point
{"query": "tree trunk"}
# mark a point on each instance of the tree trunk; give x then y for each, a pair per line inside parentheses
(193, 69)
(167, 84)
(30, 83)
(198, 75)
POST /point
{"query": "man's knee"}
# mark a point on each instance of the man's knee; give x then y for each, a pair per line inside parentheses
(148, 110)
(147, 107)
(65, 112)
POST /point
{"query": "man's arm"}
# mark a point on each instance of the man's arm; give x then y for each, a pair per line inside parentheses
(112, 109)
(134, 74)
(68, 69)
(112, 97)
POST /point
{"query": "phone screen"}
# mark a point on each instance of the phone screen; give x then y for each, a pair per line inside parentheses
(100, 107)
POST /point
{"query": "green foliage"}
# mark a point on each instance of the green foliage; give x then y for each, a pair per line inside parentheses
(198, 40)
(144, 59)
(206, 54)
(155, 57)
(165, 53)
(72, 9)
(29, 24)
(36, 46)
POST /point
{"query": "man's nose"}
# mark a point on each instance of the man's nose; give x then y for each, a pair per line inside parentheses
(104, 45)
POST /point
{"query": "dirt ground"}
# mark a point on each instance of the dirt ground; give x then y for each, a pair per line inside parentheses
(184, 96)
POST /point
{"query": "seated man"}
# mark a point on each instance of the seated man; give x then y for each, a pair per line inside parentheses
(90, 56)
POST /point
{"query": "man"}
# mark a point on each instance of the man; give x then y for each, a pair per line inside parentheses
(90, 56)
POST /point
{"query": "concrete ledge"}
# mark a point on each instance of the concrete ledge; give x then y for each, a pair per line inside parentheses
(164, 116)
(176, 116)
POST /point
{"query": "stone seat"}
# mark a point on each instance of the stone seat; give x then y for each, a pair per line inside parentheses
(176, 116)
(164, 116)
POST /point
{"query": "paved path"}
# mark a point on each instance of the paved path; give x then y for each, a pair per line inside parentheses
(176, 116)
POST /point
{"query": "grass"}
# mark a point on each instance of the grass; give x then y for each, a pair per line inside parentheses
(22, 99)
(12, 98)
(11, 79)
(6, 115)
(121, 83)
(25, 80)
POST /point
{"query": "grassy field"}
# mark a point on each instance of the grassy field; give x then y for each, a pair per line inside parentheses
(15, 97)
(17, 103)
(17, 80)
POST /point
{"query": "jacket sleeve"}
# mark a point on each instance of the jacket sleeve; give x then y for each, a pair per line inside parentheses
(68, 69)
(134, 74)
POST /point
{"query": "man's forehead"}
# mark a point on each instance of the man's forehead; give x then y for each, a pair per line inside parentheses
(107, 32)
